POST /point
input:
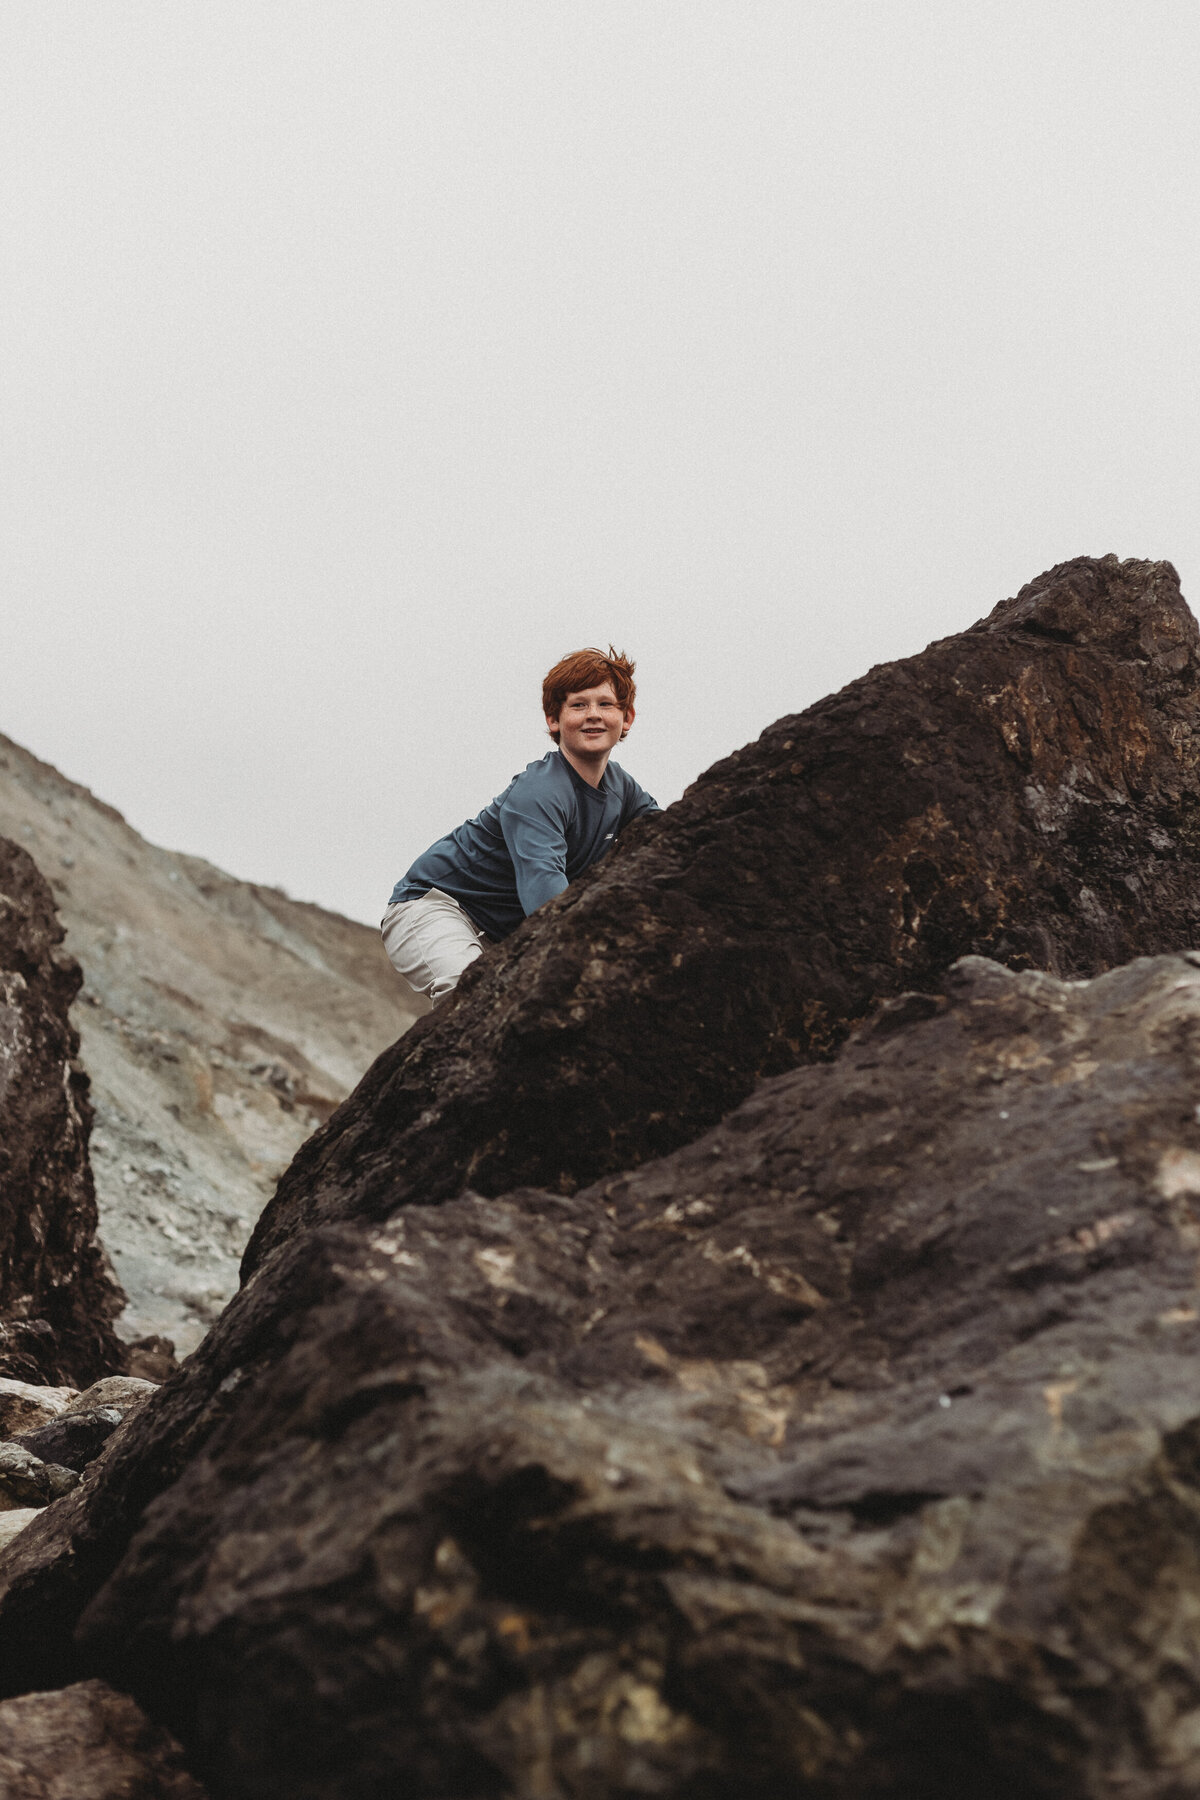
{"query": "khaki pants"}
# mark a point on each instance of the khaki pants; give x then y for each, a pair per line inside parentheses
(430, 941)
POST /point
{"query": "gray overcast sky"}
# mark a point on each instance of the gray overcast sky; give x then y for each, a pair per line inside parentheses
(359, 359)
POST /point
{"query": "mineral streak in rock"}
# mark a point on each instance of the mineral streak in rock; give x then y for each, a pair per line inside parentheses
(56, 1297)
(1028, 790)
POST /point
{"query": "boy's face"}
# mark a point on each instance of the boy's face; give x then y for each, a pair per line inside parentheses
(591, 721)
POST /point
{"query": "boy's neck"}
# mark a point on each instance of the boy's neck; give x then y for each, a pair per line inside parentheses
(590, 769)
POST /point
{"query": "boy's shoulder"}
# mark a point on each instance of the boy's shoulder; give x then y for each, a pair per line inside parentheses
(548, 777)
(549, 767)
(553, 778)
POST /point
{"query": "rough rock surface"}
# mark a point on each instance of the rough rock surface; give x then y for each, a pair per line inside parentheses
(851, 1450)
(220, 1023)
(1028, 790)
(88, 1743)
(57, 1297)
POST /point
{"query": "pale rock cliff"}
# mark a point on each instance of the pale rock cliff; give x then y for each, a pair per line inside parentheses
(220, 1022)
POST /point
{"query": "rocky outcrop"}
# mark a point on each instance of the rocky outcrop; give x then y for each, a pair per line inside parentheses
(1028, 790)
(57, 1298)
(88, 1743)
(221, 1022)
(849, 1448)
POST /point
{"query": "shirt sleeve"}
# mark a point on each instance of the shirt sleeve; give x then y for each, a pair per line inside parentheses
(535, 832)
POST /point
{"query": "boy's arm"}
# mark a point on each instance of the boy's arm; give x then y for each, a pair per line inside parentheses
(535, 832)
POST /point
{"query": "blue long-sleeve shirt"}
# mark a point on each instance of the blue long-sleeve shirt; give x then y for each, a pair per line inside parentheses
(544, 830)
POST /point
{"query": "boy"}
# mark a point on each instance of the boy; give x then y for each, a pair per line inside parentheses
(550, 824)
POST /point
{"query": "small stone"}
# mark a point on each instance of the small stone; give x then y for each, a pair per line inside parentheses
(126, 1393)
(61, 1479)
(91, 1743)
(24, 1405)
(74, 1438)
(23, 1479)
(151, 1358)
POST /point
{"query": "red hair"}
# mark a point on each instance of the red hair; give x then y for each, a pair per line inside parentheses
(588, 669)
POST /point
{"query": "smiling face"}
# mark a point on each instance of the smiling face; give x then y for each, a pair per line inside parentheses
(590, 724)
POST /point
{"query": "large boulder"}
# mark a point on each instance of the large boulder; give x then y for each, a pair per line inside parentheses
(847, 1447)
(57, 1298)
(1028, 790)
(851, 1450)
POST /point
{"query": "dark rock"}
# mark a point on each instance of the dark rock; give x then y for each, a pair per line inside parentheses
(849, 1450)
(88, 1743)
(26, 1479)
(74, 1438)
(1028, 790)
(151, 1359)
(27, 1349)
(57, 1298)
(856, 1445)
